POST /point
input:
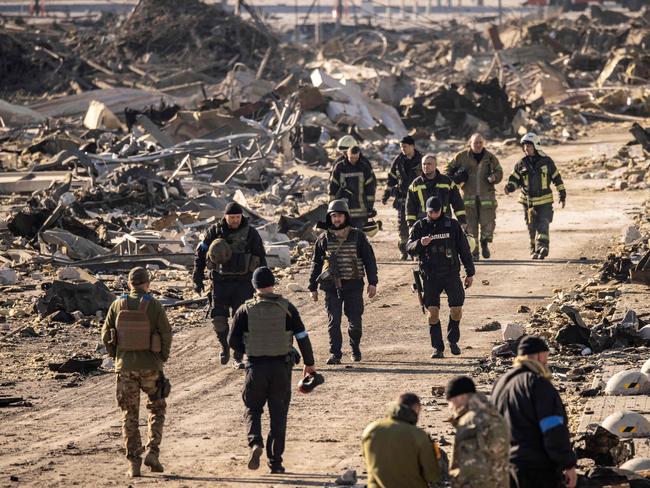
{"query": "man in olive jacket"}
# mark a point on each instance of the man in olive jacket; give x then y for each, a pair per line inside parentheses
(397, 452)
(478, 170)
(140, 370)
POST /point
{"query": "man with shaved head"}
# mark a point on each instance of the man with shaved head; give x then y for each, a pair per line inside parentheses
(476, 170)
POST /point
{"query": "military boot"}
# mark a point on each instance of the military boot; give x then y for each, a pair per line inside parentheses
(134, 468)
(224, 356)
(542, 252)
(152, 461)
(238, 361)
(356, 353)
(485, 250)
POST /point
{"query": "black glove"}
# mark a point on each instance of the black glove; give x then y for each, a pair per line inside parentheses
(563, 196)
(372, 213)
(510, 187)
(386, 196)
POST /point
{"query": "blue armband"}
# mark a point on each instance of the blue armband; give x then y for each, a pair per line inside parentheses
(548, 423)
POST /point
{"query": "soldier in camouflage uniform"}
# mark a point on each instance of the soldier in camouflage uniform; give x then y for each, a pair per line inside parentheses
(138, 368)
(480, 458)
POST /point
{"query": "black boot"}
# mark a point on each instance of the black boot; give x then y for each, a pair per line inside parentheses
(224, 356)
(435, 331)
(485, 251)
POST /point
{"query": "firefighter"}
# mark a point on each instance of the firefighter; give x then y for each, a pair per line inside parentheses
(232, 249)
(534, 174)
(405, 168)
(346, 255)
(441, 245)
(476, 170)
(353, 179)
(433, 183)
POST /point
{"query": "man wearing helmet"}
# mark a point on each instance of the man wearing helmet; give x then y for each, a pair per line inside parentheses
(440, 245)
(534, 174)
(346, 255)
(232, 249)
(540, 448)
(353, 179)
(405, 168)
(476, 170)
(264, 327)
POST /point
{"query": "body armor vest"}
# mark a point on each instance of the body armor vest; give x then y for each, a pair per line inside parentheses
(241, 261)
(134, 331)
(441, 254)
(349, 263)
(267, 326)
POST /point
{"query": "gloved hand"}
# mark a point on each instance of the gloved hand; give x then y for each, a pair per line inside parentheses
(509, 188)
(384, 199)
(372, 213)
(563, 198)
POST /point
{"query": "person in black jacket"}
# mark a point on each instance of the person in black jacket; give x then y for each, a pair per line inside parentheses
(231, 278)
(264, 328)
(441, 245)
(405, 168)
(353, 180)
(346, 255)
(540, 451)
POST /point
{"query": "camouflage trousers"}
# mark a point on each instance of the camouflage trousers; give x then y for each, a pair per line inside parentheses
(129, 384)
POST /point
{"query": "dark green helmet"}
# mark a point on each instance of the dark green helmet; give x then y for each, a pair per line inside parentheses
(219, 251)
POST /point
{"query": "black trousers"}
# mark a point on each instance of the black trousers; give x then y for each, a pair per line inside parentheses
(229, 295)
(535, 478)
(350, 303)
(403, 227)
(268, 381)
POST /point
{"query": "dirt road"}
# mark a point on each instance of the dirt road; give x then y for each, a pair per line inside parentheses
(71, 437)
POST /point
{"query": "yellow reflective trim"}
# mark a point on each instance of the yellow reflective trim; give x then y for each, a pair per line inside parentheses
(371, 198)
(555, 175)
(411, 217)
(369, 180)
(442, 185)
(544, 177)
(560, 187)
(460, 213)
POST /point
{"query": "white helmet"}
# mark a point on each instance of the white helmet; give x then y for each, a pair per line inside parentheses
(628, 382)
(626, 424)
(345, 143)
(532, 138)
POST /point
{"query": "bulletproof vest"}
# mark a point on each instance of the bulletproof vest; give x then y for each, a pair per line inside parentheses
(267, 326)
(240, 262)
(134, 331)
(441, 254)
(349, 262)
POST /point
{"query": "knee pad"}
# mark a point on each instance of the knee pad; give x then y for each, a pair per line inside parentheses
(456, 313)
(220, 324)
(434, 315)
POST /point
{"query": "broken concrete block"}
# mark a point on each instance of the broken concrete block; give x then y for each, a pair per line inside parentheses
(349, 478)
(69, 273)
(73, 246)
(278, 256)
(631, 235)
(628, 382)
(8, 276)
(513, 331)
(630, 321)
(99, 116)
